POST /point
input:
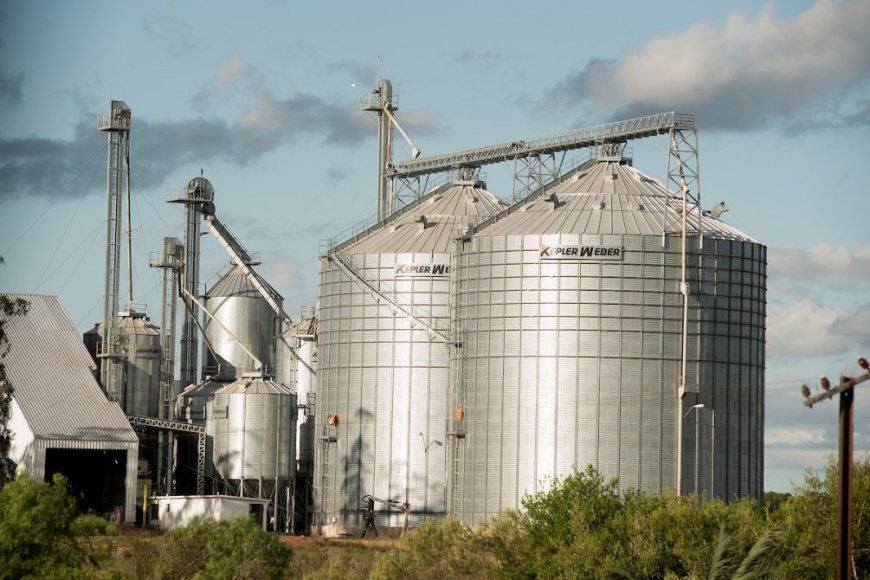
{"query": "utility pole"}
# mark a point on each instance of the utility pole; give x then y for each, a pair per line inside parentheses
(846, 390)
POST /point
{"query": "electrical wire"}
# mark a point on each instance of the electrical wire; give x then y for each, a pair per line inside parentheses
(65, 230)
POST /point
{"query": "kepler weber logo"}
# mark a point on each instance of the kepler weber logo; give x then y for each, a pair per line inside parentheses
(423, 270)
(587, 252)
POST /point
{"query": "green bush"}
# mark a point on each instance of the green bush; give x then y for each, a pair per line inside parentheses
(233, 549)
(437, 549)
(35, 535)
(88, 525)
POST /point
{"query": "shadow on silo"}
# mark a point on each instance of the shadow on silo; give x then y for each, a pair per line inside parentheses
(351, 484)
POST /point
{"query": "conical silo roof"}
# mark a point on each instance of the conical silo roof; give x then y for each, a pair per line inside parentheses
(431, 223)
(609, 197)
(236, 283)
(136, 323)
(255, 385)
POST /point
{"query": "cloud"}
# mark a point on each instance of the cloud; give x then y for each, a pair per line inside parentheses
(363, 75)
(176, 34)
(791, 436)
(10, 88)
(808, 329)
(822, 261)
(747, 73)
(233, 75)
(487, 57)
(797, 459)
(48, 167)
(856, 326)
(335, 174)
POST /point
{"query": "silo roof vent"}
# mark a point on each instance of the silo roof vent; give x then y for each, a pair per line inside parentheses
(552, 198)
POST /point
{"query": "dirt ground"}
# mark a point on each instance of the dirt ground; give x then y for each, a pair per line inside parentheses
(312, 541)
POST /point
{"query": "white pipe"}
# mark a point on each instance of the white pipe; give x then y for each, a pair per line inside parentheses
(415, 151)
(684, 290)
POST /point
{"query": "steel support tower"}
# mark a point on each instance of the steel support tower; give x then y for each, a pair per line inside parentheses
(117, 127)
(170, 260)
(199, 195)
(381, 101)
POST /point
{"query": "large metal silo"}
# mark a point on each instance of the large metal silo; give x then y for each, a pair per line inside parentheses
(252, 424)
(383, 363)
(570, 320)
(247, 320)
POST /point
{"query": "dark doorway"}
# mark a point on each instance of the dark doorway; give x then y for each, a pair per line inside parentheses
(96, 477)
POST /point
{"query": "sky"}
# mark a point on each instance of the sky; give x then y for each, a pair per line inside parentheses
(264, 100)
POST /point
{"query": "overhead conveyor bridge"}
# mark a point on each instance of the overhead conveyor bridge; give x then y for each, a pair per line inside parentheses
(617, 132)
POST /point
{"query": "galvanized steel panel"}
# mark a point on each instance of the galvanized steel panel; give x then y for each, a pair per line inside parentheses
(612, 393)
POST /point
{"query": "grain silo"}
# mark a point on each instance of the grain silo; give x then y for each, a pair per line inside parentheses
(570, 317)
(247, 321)
(252, 424)
(383, 363)
(140, 340)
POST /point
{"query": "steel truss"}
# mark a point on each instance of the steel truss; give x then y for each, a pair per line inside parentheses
(538, 160)
(145, 424)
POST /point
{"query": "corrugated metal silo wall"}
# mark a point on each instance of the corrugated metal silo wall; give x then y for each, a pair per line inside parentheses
(254, 435)
(386, 382)
(252, 321)
(567, 363)
(142, 378)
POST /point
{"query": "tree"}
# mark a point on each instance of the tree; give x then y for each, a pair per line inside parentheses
(808, 520)
(582, 528)
(233, 549)
(35, 535)
(9, 307)
(569, 525)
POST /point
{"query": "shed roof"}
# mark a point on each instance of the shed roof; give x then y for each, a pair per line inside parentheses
(607, 198)
(53, 377)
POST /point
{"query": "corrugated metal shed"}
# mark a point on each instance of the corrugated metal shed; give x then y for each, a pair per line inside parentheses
(57, 404)
(608, 198)
(52, 374)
